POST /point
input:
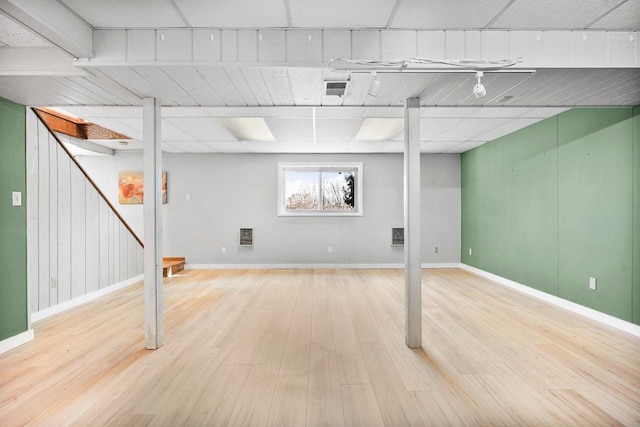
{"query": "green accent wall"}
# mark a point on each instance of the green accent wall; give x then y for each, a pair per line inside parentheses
(553, 204)
(13, 220)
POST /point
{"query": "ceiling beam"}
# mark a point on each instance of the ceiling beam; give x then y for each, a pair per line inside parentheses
(37, 61)
(313, 48)
(54, 22)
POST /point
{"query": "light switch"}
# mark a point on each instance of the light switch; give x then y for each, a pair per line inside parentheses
(593, 283)
(16, 198)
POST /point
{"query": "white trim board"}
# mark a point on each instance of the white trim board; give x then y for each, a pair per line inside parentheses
(16, 341)
(312, 266)
(42, 314)
(598, 316)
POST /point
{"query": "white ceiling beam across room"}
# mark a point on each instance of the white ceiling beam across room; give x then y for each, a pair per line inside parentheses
(315, 48)
(54, 22)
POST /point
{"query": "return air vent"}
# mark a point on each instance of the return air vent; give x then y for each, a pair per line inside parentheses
(335, 88)
(506, 99)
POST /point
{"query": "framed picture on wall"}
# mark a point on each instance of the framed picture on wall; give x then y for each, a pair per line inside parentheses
(131, 188)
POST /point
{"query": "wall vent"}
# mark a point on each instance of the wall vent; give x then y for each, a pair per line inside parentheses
(335, 88)
(397, 237)
(246, 237)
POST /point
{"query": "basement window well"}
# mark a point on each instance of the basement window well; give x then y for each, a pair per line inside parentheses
(320, 189)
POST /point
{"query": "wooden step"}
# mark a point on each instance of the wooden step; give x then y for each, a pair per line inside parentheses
(171, 265)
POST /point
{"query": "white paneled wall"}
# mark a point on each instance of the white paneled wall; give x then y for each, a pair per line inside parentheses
(76, 243)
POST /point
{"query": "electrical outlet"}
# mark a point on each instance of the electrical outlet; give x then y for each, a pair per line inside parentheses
(593, 283)
(188, 196)
(470, 251)
(224, 250)
(436, 250)
(330, 250)
(16, 198)
(54, 282)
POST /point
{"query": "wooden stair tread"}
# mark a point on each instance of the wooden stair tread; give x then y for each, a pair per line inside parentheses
(172, 265)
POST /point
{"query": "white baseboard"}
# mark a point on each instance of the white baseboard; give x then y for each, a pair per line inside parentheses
(15, 341)
(441, 265)
(287, 266)
(598, 316)
(42, 314)
(312, 266)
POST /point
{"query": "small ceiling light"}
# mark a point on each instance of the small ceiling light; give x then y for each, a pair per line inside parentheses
(478, 90)
(374, 87)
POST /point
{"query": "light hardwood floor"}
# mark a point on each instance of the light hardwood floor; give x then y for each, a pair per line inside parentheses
(322, 348)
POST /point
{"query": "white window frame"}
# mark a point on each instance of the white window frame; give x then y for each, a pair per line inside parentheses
(320, 166)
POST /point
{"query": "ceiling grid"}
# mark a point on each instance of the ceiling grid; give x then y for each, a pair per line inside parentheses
(268, 59)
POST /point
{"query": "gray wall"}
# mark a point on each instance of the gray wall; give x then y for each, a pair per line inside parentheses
(72, 234)
(230, 191)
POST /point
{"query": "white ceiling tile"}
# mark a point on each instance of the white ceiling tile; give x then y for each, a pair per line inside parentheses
(291, 129)
(467, 129)
(465, 146)
(172, 92)
(432, 128)
(340, 13)
(506, 128)
(218, 80)
(624, 17)
(437, 147)
(450, 14)
(382, 112)
(13, 34)
(241, 85)
(306, 86)
(256, 83)
(191, 81)
(198, 128)
(234, 14)
(337, 129)
(127, 14)
(379, 129)
(553, 14)
(247, 128)
(190, 146)
(171, 148)
(368, 147)
(412, 87)
(170, 132)
(227, 147)
(391, 84)
(357, 91)
(277, 83)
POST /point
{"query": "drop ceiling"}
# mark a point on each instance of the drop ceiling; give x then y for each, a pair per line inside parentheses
(270, 109)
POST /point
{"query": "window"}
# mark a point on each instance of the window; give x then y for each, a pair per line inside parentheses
(318, 189)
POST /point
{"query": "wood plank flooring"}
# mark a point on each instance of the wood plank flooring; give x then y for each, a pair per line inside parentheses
(322, 348)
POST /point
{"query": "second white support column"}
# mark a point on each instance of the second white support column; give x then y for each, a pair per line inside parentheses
(412, 259)
(153, 296)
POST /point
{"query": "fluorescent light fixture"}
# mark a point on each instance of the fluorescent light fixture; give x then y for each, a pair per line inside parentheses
(247, 128)
(375, 129)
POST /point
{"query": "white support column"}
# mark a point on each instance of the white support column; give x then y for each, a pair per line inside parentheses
(153, 309)
(412, 261)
